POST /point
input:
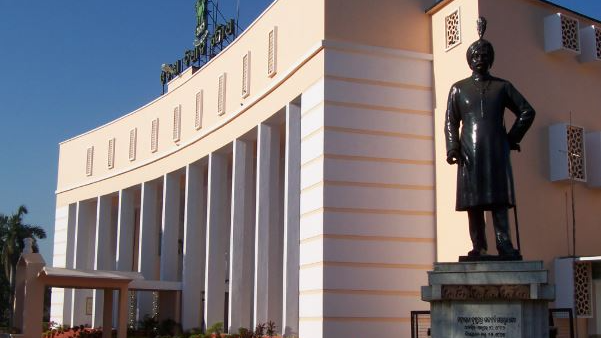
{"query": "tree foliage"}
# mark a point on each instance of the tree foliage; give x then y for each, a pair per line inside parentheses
(13, 231)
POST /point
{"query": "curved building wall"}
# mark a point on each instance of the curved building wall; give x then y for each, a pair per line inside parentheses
(299, 35)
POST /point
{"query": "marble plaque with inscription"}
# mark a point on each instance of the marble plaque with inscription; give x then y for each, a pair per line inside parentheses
(486, 320)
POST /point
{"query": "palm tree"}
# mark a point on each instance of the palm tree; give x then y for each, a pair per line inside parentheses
(12, 233)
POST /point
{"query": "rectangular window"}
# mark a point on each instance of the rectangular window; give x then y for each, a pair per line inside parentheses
(89, 161)
(221, 95)
(154, 136)
(198, 116)
(598, 41)
(246, 75)
(576, 155)
(570, 28)
(111, 157)
(133, 139)
(177, 123)
(452, 29)
(272, 52)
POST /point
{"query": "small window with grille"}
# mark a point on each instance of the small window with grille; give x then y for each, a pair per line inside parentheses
(246, 75)
(133, 139)
(576, 159)
(111, 155)
(198, 115)
(598, 41)
(154, 135)
(272, 52)
(177, 123)
(452, 29)
(569, 33)
(89, 161)
(583, 289)
(221, 95)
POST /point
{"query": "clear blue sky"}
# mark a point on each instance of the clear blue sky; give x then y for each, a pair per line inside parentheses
(72, 65)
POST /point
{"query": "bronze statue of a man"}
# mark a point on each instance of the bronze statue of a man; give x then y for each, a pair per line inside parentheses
(481, 149)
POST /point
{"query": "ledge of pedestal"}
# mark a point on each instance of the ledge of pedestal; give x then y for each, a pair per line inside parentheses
(488, 281)
(489, 299)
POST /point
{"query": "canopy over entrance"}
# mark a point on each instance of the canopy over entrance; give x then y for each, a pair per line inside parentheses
(87, 279)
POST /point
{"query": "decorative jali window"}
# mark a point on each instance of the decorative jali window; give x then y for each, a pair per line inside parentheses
(569, 33)
(154, 135)
(198, 113)
(89, 161)
(582, 289)
(598, 41)
(272, 52)
(246, 75)
(576, 159)
(177, 123)
(111, 154)
(133, 139)
(221, 95)
(452, 29)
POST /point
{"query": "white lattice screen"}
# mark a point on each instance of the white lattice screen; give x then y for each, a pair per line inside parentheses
(569, 33)
(154, 135)
(583, 289)
(272, 52)
(221, 95)
(89, 161)
(198, 114)
(576, 156)
(111, 154)
(567, 158)
(452, 29)
(598, 41)
(133, 139)
(246, 75)
(177, 123)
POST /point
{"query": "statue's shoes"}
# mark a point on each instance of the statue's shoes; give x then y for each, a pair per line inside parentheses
(510, 254)
(477, 253)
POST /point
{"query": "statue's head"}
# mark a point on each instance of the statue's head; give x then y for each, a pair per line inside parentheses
(480, 54)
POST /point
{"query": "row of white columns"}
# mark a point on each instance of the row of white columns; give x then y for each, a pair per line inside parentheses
(245, 215)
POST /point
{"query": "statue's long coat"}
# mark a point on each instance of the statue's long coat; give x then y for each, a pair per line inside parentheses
(484, 177)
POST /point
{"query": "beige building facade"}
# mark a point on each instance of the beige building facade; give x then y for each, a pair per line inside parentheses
(300, 175)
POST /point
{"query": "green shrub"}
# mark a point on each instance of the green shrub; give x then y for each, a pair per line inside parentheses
(216, 328)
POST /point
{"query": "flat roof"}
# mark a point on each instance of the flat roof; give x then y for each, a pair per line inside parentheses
(87, 279)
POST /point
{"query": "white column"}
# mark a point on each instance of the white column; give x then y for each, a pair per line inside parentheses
(217, 222)
(241, 236)
(70, 263)
(149, 244)
(268, 232)
(291, 221)
(123, 312)
(107, 314)
(84, 256)
(125, 231)
(104, 258)
(193, 273)
(170, 227)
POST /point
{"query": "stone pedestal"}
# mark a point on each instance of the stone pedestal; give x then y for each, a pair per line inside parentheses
(489, 299)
